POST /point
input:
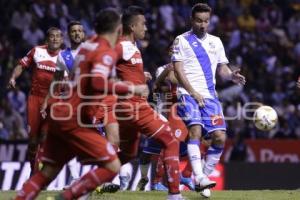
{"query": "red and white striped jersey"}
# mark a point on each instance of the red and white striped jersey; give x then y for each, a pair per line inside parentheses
(43, 64)
(130, 63)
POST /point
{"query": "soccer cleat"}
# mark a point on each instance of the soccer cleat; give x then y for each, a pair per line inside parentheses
(142, 183)
(204, 183)
(188, 182)
(205, 193)
(107, 188)
(159, 187)
(175, 197)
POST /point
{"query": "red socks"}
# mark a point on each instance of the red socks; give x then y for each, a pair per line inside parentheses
(170, 158)
(88, 183)
(187, 171)
(159, 172)
(33, 186)
(171, 163)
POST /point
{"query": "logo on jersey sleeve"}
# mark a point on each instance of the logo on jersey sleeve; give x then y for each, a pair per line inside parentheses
(107, 60)
(178, 133)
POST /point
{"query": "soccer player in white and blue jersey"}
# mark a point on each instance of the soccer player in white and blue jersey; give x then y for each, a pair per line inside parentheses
(197, 56)
(66, 57)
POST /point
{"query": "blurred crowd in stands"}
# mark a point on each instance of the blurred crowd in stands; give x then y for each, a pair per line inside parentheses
(261, 37)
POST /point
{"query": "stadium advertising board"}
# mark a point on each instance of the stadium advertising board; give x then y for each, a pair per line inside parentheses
(268, 151)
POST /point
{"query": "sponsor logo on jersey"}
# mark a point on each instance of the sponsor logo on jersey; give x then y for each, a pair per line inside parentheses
(136, 61)
(45, 67)
(217, 120)
(195, 44)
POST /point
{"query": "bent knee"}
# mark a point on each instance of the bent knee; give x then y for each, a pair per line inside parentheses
(166, 138)
(195, 132)
(219, 137)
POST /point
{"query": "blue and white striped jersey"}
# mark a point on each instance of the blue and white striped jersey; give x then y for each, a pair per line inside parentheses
(200, 59)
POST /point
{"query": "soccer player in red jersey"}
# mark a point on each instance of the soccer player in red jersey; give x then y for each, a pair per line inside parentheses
(70, 133)
(135, 115)
(42, 59)
(64, 67)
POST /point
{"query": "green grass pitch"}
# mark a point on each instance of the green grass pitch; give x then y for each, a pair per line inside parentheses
(216, 195)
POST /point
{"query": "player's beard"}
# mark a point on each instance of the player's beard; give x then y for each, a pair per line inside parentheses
(200, 32)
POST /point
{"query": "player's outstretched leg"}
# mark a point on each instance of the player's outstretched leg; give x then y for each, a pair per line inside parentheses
(171, 160)
(37, 182)
(193, 148)
(159, 173)
(185, 177)
(214, 152)
(91, 180)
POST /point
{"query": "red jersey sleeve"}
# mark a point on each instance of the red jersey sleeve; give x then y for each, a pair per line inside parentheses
(103, 63)
(101, 69)
(27, 60)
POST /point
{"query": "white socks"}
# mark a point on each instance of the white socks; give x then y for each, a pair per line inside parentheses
(195, 158)
(212, 158)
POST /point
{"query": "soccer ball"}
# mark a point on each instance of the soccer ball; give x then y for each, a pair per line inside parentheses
(265, 118)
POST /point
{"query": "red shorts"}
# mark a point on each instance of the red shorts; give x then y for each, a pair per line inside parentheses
(135, 118)
(177, 125)
(85, 143)
(36, 123)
